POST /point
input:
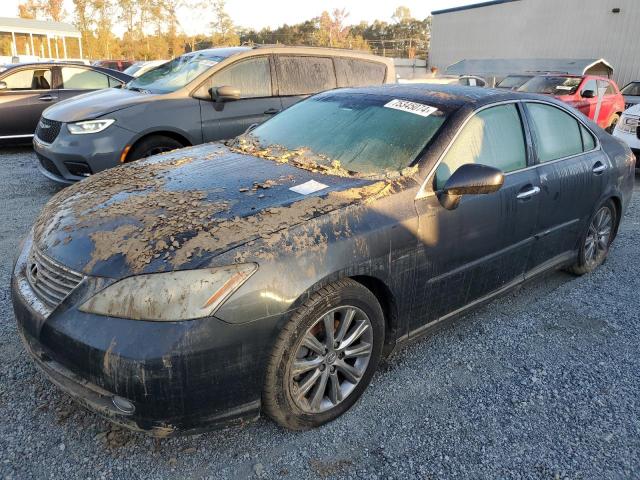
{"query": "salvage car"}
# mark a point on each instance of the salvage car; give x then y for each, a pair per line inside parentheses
(628, 130)
(27, 89)
(199, 97)
(597, 97)
(200, 287)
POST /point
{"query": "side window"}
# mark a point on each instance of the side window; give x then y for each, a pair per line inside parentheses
(252, 77)
(588, 142)
(493, 137)
(590, 85)
(82, 79)
(305, 75)
(352, 72)
(556, 133)
(29, 80)
(114, 82)
(607, 87)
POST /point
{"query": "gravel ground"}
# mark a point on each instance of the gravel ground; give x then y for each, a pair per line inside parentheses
(540, 384)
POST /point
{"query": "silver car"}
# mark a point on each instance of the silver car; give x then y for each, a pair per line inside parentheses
(198, 97)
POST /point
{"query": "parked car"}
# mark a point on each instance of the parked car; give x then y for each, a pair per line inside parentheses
(198, 97)
(199, 287)
(27, 89)
(597, 97)
(631, 93)
(139, 68)
(466, 80)
(628, 130)
(514, 82)
(119, 65)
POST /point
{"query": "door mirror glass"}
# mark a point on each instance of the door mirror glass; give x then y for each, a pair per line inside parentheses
(588, 94)
(470, 179)
(3, 85)
(224, 93)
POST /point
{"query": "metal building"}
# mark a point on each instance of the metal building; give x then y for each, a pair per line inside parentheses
(539, 29)
(38, 40)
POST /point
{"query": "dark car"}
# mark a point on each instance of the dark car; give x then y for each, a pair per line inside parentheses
(199, 97)
(201, 286)
(27, 89)
(119, 65)
(631, 94)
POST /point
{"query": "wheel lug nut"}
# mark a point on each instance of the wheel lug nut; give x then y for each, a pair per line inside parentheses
(332, 369)
(322, 367)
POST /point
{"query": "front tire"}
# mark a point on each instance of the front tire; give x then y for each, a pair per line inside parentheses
(324, 357)
(595, 243)
(153, 145)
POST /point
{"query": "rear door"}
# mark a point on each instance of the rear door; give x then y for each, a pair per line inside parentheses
(28, 92)
(572, 170)
(300, 76)
(75, 80)
(253, 77)
(483, 245)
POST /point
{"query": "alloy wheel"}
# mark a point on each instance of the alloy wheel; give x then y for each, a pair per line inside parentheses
(331, 359)
(598, 237)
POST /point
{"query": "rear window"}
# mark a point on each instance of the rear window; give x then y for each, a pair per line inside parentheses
(352, 72)
(552, 85)
(305, 75)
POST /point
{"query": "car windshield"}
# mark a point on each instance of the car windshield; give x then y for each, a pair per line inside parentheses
(362, 134)
(175, 74)
(552, 85)
(632, 89)
(513, 81)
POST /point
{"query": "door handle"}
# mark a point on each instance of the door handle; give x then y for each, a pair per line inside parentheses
(598, 168)
(271, 111)
(47, 98)
(523, 195)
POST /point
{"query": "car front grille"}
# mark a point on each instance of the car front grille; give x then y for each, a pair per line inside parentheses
(48, 130)
(50, 281)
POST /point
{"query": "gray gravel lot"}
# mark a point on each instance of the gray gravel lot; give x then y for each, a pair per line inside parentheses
(540, 384)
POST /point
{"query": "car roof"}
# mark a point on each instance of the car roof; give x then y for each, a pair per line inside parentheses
(107, 71)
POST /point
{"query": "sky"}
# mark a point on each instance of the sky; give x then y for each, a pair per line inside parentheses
(272, 13)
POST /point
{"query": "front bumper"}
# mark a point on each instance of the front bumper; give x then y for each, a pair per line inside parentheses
(182, 377)
(70, 158)
(633, 141)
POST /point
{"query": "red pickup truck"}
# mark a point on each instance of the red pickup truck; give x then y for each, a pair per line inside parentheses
(597, 97)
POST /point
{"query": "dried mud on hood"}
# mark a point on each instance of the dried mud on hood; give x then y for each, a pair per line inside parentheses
(177, 209)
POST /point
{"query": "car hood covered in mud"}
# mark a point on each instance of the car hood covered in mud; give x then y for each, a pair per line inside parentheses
(179, 210)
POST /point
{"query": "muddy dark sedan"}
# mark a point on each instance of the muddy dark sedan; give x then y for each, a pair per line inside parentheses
(203, 286)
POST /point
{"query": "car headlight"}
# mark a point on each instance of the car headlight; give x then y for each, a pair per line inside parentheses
(628, 124)
(89, 126)
(170, 296)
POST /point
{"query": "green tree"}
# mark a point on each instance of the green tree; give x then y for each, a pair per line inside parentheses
(224, 32)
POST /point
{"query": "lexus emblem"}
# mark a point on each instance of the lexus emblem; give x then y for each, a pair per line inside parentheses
(33, 270)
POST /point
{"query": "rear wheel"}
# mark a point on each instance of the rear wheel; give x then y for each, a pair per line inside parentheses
(596, 241)
(324, 357)
(153, 145)
(613, 122)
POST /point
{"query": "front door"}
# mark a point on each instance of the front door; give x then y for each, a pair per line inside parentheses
(252, 76)
(572, 175)
(27, 93)
(483, 245)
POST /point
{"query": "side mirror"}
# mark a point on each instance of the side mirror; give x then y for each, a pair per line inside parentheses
(3, 85)
(224, 94)
(588, 94)
(470, 179)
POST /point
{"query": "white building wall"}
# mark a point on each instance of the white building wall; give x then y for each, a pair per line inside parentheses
(542, 29)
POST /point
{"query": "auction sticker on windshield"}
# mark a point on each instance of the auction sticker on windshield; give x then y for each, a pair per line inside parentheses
(411, 107)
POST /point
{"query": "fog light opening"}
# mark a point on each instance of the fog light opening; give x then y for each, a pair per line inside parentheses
(122, 404)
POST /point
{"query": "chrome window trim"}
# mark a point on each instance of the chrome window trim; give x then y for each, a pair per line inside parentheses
(423, 192)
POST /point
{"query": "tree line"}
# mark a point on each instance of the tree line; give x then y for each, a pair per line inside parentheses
(152, 29)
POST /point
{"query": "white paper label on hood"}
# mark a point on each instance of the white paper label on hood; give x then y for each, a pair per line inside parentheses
(308, 187)
(411, 107)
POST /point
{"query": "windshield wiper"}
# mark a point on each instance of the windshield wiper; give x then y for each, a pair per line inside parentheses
(137, 89)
